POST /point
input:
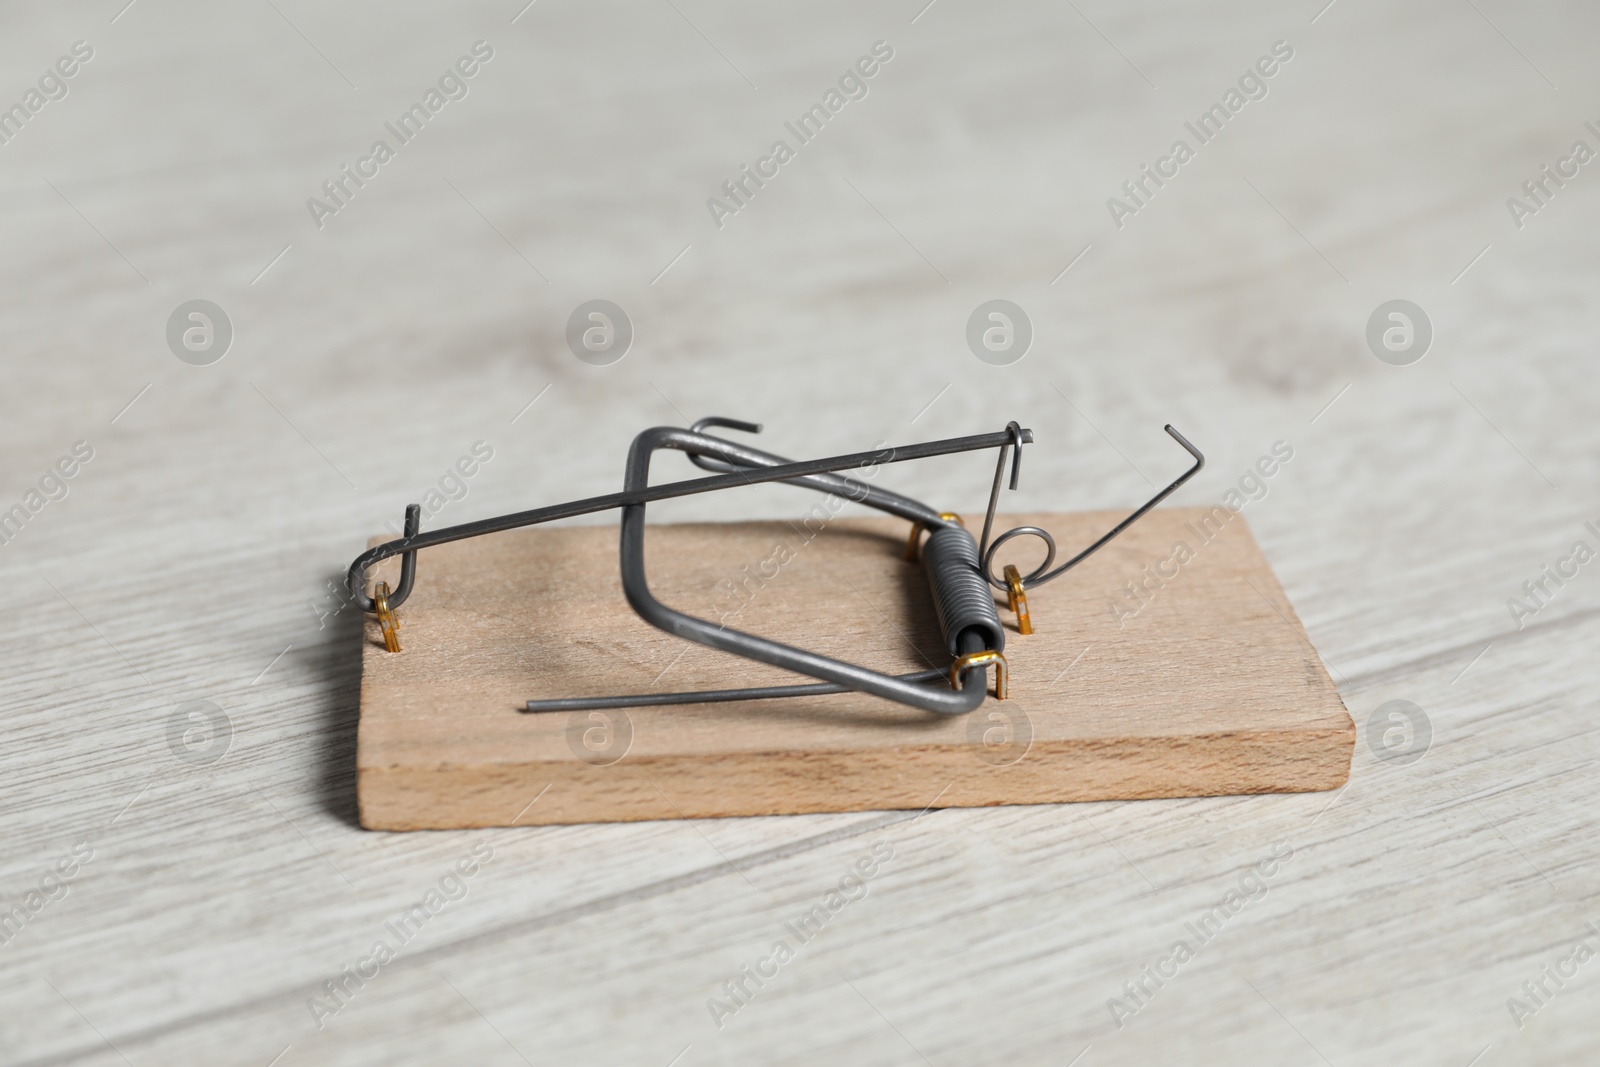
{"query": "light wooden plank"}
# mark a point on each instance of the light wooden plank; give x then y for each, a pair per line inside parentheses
(1201, 685)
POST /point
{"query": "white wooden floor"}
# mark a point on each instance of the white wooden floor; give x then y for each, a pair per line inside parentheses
(216, 888)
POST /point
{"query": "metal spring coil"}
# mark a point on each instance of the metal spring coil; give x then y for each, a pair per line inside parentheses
(961, 597)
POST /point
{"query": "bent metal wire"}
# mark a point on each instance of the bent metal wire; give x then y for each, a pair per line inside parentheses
(959, 568)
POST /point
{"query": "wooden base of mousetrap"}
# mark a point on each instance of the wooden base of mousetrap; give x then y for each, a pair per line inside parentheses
(1197, 681)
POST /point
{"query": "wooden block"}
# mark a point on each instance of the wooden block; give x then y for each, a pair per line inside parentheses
(1206, 686)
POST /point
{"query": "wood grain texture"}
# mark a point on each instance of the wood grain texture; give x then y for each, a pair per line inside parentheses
(1204, 686)
(192, 557)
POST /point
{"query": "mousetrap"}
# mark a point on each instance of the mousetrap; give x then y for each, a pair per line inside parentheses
(822, 663)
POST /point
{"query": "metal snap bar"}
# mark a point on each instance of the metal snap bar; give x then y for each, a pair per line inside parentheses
(959, 567)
